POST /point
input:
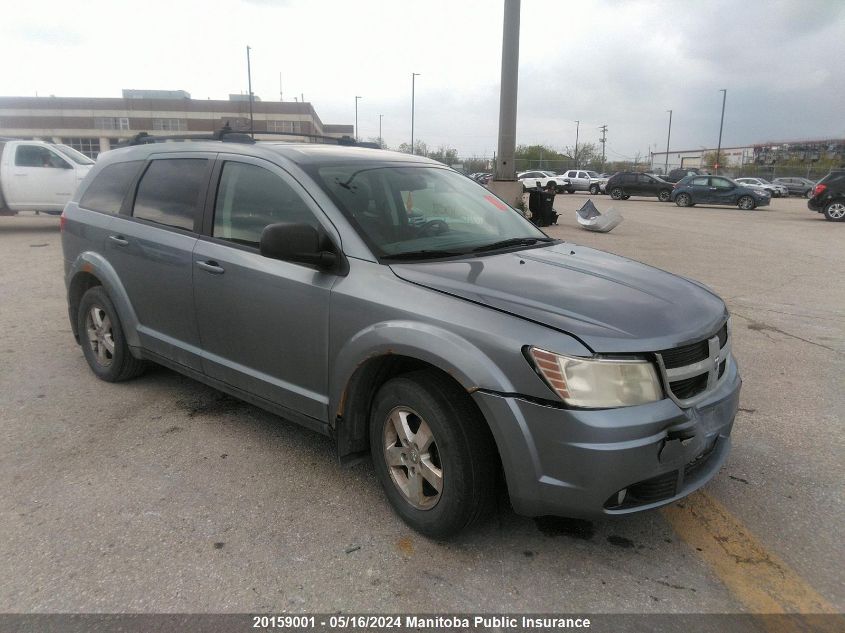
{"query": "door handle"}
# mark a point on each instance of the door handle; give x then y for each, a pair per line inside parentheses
(211, 267)
(119, 240)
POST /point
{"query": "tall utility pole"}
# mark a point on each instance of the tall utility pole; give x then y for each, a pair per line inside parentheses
(249, 83)
(356, 116)
(380, 139)
(603, 140)
(281, 97)
(724, 92)
(413, 81)
(505, 168)
(577, 129)
(668, 136)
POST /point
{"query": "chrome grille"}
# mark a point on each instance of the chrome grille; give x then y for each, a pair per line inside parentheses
(692, 371)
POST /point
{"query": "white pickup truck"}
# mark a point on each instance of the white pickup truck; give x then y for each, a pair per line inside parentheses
(39, 176)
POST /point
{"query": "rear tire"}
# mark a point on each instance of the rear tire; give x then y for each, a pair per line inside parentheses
(594, 190)
(102, 338)
(835, 211)
(616, 193)
(432, 434)
(683, 200)
(663, 195)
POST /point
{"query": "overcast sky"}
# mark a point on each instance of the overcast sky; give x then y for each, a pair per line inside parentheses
(623, 64)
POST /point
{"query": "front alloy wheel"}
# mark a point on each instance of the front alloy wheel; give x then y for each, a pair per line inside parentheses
(746, 203)
(432, 452)
(412, 458)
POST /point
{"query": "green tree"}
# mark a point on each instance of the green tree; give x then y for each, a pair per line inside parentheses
(444, 154)
(421, 149)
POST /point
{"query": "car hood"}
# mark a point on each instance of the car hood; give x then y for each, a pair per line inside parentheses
(612, 304)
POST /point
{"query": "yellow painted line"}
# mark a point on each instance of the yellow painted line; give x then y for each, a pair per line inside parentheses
(760, 580)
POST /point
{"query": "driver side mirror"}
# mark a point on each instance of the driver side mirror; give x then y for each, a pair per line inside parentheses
(299, 243)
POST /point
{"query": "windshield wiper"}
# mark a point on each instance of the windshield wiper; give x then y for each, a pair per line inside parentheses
(514, 241)
(425, 254)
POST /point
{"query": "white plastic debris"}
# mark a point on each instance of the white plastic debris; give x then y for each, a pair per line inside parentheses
(590, 219)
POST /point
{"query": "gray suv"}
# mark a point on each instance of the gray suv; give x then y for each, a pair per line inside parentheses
(402, 309)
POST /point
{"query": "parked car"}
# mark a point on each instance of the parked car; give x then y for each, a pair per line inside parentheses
(694, 190)
(625, 184)
(463, 345)
(682, 172)
(39, 176)
(829, 196)
(583, 180)
(775, 190)
(796, 186)
(532, 179)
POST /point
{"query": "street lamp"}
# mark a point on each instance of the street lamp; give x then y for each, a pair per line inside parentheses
(249, 83)
(577, 129)
(356, 116)
(668, 136)
(721, 125)
(413, 79)
(380, 140)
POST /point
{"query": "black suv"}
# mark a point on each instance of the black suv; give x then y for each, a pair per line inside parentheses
(829, 196)
(625, 184)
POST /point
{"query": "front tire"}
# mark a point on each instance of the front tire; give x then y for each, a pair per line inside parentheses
(102, 338)
(746, 203)
(432, 453)
(835, 211)
(616, 193)
(663, 195)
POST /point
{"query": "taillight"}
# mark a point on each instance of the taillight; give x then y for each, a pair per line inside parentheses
(819, 189)
(62, 221)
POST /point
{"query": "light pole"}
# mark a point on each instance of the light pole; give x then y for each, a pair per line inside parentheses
(380, 140)
(721, 125)
(413, 80)
(249, 83)
(356, 116)
(668, 136)
(577, 129)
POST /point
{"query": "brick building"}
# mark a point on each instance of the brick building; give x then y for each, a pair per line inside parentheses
(94, 125)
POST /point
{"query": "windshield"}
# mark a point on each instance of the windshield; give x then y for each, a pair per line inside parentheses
(425, 211)
(76, 156)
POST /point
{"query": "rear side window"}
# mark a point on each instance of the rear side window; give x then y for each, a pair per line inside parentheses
(699, 182)
(834, 176)
(250, 198)
(169, 192)
(109, 187)
(629, 178)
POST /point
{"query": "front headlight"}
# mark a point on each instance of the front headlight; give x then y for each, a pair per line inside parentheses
(598, 383)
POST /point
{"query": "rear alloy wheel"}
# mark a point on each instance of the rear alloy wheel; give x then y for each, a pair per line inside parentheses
(433, 453)
(616, 193)
(746, 203)
(103, 342)
(683, 200)
(663, 195)
(594, 190)
(835, 211)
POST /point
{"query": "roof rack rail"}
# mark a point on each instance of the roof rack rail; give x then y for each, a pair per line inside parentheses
(227, 135)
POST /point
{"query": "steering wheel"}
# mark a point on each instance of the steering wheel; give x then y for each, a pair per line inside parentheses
(434, 227)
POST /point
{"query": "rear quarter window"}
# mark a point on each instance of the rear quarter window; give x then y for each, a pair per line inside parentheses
(108, 189)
